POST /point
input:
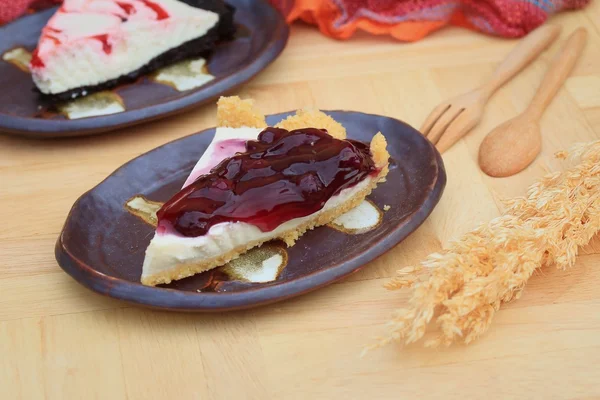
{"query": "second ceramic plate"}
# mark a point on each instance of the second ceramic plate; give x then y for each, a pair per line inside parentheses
(102, 244)
(261, 37)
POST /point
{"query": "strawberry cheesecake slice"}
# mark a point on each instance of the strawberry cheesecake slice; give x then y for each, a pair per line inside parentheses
(255, 184)
(91, 45)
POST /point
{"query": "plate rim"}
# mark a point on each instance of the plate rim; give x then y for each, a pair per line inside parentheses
(179, 300)
(49, 129)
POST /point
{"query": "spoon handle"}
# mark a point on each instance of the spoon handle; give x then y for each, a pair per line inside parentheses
(560, 68)
(521, 55)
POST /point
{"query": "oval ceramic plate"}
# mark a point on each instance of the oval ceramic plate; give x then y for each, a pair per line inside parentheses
(102, 245)
(261, 37)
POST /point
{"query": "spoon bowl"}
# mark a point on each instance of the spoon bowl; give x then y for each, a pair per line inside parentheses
(510, 147)
(513, 145)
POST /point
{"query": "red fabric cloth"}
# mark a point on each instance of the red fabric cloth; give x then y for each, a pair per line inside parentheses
(12, 9)
(413, 19)
(403, 19)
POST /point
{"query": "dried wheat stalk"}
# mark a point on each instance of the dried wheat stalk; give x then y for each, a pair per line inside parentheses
(469, 281)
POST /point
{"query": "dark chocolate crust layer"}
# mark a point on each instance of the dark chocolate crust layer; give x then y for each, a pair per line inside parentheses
(200, 47)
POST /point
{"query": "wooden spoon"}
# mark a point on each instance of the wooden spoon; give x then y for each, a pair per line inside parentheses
(513, 145)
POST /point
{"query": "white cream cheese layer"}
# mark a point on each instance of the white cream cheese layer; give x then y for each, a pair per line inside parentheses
(75, 52)
(226, 143)
(168, 250)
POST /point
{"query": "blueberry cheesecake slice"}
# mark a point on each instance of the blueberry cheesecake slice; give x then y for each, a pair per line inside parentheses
(256, 183)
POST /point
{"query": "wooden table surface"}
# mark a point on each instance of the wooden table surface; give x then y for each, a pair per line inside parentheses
(60, 341)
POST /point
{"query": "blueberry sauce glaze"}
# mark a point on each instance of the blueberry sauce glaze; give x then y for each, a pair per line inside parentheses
(282, 175)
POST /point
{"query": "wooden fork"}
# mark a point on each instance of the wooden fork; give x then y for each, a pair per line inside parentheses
(452, 119)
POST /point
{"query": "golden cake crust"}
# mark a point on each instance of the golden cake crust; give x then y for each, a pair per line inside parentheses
(379, 151)
(313, 119)
(233, 112)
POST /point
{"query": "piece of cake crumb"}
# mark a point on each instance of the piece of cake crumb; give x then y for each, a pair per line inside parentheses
(561, 155)
(233, 112)
(386, 207)
(313, 119)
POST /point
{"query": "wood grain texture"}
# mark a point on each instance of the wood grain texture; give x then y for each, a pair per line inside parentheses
(60, 341)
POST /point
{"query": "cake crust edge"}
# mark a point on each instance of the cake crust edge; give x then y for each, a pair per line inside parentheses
(233, 112)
